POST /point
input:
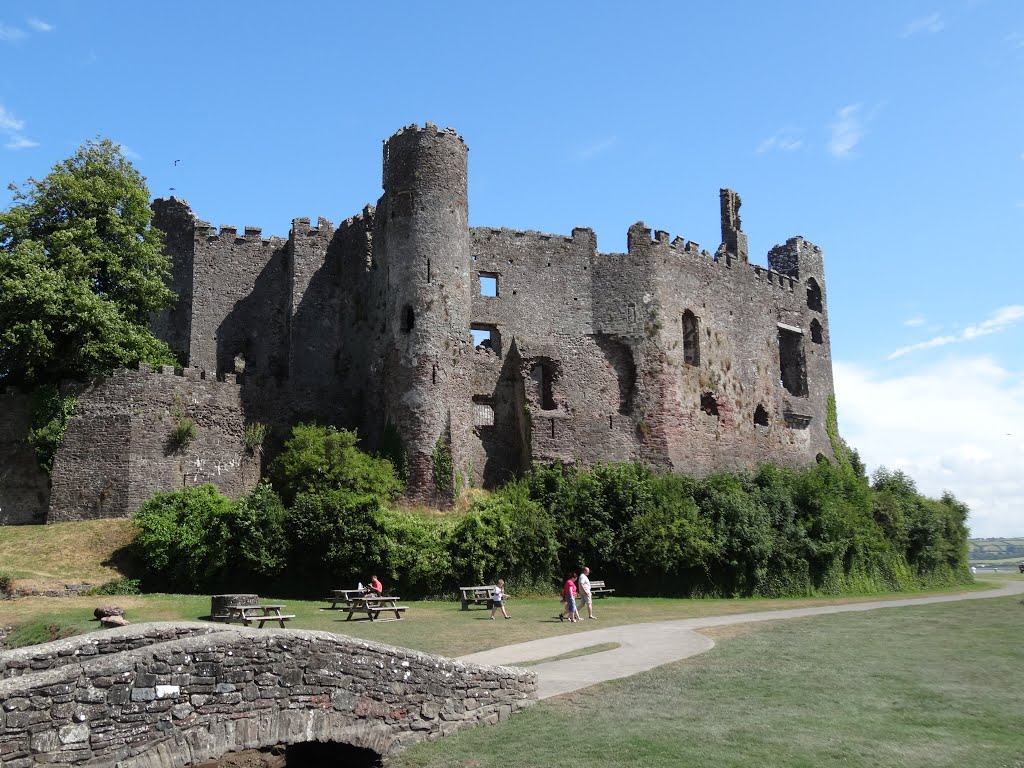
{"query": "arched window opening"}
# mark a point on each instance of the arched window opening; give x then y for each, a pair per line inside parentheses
(709, 404)
(408, 318)
(821, 458)
(760, 416)
(541, 375)
(816, 336)
(813, 295)
(691, 339)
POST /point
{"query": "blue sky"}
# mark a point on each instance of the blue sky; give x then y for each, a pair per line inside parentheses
(887, 133)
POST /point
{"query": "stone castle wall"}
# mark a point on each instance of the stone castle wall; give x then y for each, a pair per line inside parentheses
(24, 487)
(118, 450)
(665, 354)
(196, 698)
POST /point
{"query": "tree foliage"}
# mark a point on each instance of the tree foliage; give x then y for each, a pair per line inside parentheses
(81, 271)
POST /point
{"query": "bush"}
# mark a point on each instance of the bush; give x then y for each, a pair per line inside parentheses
(183, 434)
(182, 538)
(51, 412)
(318, 459)
(6, 583)
(256, 543)
(122, 586)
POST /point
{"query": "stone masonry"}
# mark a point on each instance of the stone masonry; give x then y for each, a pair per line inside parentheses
(511, 347)
(195, 698)
(505, 347)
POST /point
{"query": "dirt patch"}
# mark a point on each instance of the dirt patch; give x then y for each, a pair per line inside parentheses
(250, 758)
(728, 631)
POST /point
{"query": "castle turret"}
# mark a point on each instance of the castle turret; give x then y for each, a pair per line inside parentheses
(422, 228)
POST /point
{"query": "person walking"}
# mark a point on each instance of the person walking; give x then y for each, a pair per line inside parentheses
(498, 600)
(569, 598)
(585, 596)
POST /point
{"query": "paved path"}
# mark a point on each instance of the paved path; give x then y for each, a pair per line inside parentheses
(645, 646)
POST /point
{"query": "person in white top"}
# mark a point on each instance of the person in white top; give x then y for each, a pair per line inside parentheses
(498, 600)
(585, 596)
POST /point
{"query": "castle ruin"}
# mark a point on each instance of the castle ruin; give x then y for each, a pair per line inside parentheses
(503, 347)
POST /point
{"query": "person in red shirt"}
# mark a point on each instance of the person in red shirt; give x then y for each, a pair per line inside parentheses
(569, 598)
(375, 587)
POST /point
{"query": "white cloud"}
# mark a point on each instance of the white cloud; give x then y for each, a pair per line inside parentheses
(9, 122)
(1000, 320)
(11, 126)
(39, 25)
(916, 321)
(955, 425)
(20, 142)
(784, 140)
(929, 24)
(10, 34)
(847, 130)
(597, 147)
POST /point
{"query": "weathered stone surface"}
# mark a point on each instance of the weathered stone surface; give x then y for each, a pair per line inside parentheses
(665, 354)
(108, 610)
(352, 691)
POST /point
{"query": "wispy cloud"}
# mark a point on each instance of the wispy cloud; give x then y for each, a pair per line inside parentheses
(8, 122)
(10, 34)
(847, 129)
(130, 153)
(783, 140)
(596, 147)
(11, 127)
(955, 424)
(1000, 320)
(1016, 39)
(916, 321)
(39, 25)
(924, 25)
(20, 142)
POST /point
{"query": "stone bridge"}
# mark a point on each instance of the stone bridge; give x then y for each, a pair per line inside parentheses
(166, 695)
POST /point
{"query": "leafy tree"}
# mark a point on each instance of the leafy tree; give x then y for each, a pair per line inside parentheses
(81, 271)
(318, 459)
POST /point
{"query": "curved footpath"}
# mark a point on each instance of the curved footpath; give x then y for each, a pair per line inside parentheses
(645, 646)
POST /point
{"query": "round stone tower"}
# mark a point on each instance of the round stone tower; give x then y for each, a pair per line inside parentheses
(422, 237)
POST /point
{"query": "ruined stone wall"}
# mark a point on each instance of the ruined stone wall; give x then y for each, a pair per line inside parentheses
(118, 451)
(189, 700)
(24, 487)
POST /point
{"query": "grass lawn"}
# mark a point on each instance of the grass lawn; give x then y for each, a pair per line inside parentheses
(926, 686)
(49, 555)
(432, 626)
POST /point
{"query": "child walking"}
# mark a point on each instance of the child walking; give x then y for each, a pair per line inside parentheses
(498, 601)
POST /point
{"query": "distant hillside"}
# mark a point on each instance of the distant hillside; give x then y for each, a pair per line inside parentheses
(996, 549)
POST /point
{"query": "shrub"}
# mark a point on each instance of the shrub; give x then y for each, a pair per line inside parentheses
(256, 543)
(318, 459)
(51, 412)
(183, 434)
(6, 583)
(182, 538)
(254, 437)
(122, 586)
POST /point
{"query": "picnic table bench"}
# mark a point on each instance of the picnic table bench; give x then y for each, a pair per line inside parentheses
(373, 606)
(479, 595)
(598, 589)
(342, 596)
(247, 614)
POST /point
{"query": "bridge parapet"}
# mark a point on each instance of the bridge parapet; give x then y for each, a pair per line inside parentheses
(176, 703)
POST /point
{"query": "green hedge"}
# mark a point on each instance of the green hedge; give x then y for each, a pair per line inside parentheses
(772, 533)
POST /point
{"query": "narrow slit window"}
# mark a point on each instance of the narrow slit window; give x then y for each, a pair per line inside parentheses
(489, 284)
(429, 276)
(408, 318)
(691, 339)
(542, 376)
(816, 335)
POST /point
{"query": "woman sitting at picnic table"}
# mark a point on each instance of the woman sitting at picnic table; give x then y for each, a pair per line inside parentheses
(375, 587)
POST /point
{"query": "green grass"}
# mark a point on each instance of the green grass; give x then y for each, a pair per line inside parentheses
(919, 687)
(50, 555)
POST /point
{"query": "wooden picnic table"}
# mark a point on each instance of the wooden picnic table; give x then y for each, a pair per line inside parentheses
(373, 606)
(479, 595)
(247, 614)
(342, 596)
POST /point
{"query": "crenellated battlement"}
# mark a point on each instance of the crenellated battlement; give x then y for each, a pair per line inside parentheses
(640, 239)
(428, 128)
(192, 374)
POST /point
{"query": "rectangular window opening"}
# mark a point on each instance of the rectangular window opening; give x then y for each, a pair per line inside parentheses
(489, 284)
(483, 411)
(486, 338)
